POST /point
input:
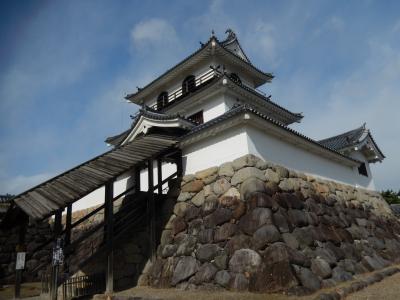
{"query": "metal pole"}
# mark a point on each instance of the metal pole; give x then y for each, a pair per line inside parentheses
(109, 223)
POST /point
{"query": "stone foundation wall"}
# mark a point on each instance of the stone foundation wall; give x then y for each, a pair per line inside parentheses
(252, 225)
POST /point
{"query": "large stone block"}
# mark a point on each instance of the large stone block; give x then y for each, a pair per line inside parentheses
(307, 278)
(193, 186)
(274, 277)
(238, 242)
(246, 173)
(222, 278)
(206, 173)
(198, 199)
(226, 170)
(244, 260)
(248, 160)
(224, 232)
(207, 252)
(218, 217)
(254, 219)
(221, 186)
(205, 274)
(272, 176)
(321, 268)
(186, 267)
(266, 235)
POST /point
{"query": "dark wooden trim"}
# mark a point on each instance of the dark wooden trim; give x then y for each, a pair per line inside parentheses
(109, 226)
(151, 208)
(179, 163)
(159, 176)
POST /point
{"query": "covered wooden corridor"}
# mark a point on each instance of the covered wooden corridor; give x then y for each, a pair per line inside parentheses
(56, 195)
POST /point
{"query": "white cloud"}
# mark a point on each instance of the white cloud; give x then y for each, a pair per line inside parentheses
(153, 31)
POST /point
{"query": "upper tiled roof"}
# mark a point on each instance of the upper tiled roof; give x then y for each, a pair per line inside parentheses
(203, 47)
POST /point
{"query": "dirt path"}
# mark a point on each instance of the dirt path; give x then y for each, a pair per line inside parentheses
(387, 289)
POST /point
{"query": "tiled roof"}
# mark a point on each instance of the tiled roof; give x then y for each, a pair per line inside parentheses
(344, 140)
(350, 138)
(146, 112)
(297, 116)
(247, 108)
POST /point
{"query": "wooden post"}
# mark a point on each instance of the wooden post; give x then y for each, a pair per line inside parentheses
(55, 266)
(137, 179)
(179, 164)
(67, 240)
(20, 248)
(109, 227)
(159, 176)
(151, 208)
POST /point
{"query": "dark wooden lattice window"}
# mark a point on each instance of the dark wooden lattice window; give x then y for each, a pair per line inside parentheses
(197, 117)
(362, 170)
(162, 100)
(188, 85)
(236, 78)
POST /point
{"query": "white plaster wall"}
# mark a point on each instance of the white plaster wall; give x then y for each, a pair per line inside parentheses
(215, 150)
(363, 180)
(212, 107)
(96, 197)
(269, 147)
(167, 170)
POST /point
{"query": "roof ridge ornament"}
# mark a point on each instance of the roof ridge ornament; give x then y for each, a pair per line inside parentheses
(231, 34)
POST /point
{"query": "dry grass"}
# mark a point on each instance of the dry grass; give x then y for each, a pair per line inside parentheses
(29, 289)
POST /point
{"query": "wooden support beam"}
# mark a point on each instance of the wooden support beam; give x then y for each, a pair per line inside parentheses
(68, 225)
(179, 164)
(151, 209)
(20, 248)
(109, 226)
(137, 179)
(55, 267)
(67, 237)
(159, 176)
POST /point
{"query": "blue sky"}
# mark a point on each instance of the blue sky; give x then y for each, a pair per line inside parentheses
(65, 67)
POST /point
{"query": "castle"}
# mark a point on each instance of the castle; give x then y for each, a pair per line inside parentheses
(207, 185)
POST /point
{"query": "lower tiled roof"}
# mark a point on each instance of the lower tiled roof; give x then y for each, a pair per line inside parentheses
(247, 108)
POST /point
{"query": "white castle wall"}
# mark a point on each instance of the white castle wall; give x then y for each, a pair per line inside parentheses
(281, 152)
